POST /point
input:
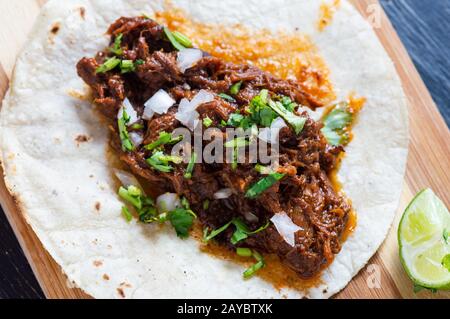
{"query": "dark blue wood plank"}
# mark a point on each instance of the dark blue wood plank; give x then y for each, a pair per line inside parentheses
(423, 26)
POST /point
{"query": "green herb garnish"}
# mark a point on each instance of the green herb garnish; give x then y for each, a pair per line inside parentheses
(163, 139)
(206, 204)
(122, 122)
(182, 39)
(242, 231)
(207, 122)
(160, 161)
(177, 45)
(235, 120)
(445, 235)
(132, 195)
(235, 88)
(237, 142)
(244, 252)
(139, 62)
(335, 123)
(295, 121)
(127, 214)
(265, 170)
(181, 219)
(190, 167)
(137, 126)
(263, 184)
(127, 66)
(288, 104)
(226, 97)
(208, 236)
(117, 49)
(108, 65)
(254, 268)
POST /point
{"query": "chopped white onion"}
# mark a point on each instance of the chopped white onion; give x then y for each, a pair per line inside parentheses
(187, 113)
(167, 202)
(136, 138)
(188, 119)
(251, 217)
(159, 103)
(131, 112)
(188, 57)
(202, 97)
(223, 193)
(285, 227)
(126, 178)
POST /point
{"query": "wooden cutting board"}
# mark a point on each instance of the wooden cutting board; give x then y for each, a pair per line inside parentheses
(428, 163)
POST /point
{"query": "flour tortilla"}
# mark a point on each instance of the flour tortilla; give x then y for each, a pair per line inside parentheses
(59, 181)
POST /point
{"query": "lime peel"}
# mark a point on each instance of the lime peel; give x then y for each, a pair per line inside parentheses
(423, 241)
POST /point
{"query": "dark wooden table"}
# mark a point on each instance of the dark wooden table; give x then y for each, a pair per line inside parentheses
(424, 28)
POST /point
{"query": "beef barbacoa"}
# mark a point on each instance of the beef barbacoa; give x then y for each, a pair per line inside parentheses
(304, 193)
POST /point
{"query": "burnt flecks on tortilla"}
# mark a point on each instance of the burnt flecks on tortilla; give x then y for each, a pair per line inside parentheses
(302, 188)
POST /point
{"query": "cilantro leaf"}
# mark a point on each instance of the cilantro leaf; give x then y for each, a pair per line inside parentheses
(163, 139)
(181, 219)
(116, 49)
(263, 184)
(335, 123)
(295, 121)
(172, 38)
(242, 231)
(235, 88)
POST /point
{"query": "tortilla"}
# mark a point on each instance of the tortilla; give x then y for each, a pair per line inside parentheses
(64, 185)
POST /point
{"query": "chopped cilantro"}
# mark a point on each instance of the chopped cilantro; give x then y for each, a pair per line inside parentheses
(108, 65)
(177, 45)
(226, 97)
(122, 122)
(190, 167)
(116, 49)
(207, 122)
(263, 184)
(235, 88)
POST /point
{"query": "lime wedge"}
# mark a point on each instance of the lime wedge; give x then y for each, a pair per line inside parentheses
(423, 237)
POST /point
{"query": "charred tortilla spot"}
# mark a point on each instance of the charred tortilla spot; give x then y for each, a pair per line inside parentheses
(82, 138)
(121, 292)
(97, 206)
(98, 263)
(105, 277)
(82, 12)
(55, 28)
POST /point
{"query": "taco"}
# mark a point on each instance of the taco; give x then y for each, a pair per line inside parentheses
(133, 134)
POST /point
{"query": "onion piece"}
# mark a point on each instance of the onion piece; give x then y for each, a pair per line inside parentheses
(131, 112)
(167, 202)
(136, 138)
(223, 193)
(285, 227)
(187, 113)
(188, 57)
(159, 103)
(251, 217)
(202, 97)
(126, 178)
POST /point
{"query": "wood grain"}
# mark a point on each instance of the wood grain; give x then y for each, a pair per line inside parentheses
(428, 166)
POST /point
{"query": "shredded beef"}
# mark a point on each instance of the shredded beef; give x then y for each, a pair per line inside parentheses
(305, 194)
